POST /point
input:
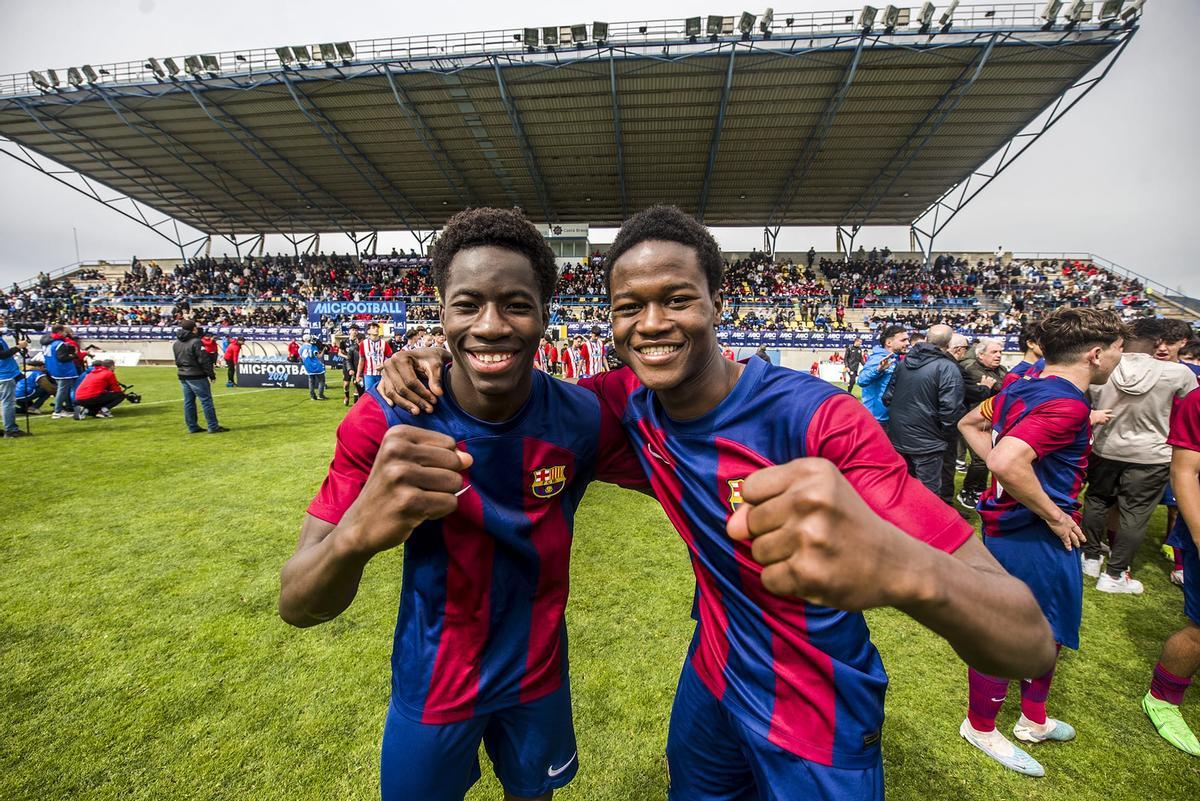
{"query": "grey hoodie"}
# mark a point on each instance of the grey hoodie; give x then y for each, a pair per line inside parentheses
(1140, 392)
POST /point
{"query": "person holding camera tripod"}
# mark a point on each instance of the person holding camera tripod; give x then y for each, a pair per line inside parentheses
(10, 371)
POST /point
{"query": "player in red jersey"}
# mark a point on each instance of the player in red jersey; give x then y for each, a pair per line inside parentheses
(1036, 437)
(1032, 363)
(782, 694)
(372, 352)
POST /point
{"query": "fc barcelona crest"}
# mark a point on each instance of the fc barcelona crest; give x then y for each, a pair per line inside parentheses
(735, 493)
(549, 481)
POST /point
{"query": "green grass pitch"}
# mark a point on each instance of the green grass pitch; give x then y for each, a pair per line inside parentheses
(141, 656)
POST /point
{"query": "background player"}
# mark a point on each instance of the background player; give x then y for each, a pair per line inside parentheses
(1030, 513)
(482, 493)
(372, 352)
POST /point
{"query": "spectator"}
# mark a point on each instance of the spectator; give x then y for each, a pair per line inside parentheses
(32, 390)
(210, 348)
(1131, 460)
(293, 352)
(925, 399)
(983, 377)
(349, 350)
(60, 357)
(232, 354)
(195, 371)
(880, 365)
(9, 373)
(314, 367)
(99, 391)
(959, 345)
(853, 358)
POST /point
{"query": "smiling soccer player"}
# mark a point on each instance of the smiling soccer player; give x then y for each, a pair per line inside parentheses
(482, 494)
(782, 694)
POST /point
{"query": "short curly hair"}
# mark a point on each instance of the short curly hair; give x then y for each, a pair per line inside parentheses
(503, 228)
(669, 224)
(1066, 333)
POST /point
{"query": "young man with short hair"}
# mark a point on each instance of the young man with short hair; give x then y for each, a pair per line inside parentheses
(1035, 437)
(482, 494)
(372, 351)
(877, 372)
(781, 696)
(1032, 363)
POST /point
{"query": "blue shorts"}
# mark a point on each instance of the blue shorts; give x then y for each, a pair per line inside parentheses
(532, 748)
(1054, 575)
(712, 756)
(1181, 538)
(1168, 498)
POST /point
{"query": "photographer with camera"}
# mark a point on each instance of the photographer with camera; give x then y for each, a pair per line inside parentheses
(32, 390)
(99, 391)
(9, 373)
(62, 359)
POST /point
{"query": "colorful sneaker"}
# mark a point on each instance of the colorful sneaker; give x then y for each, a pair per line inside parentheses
(1170, 724)
(1177, 577)
(1091, 567)
(1168, 552)
(968, 500)
(1124, 584)
(997, 746)
(1050, 731)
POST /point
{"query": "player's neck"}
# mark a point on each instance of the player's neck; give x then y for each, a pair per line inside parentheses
(702, 392)
(1078, 374)
(492, 408)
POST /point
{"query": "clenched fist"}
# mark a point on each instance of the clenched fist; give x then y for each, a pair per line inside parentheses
(415, 478)
(817, 539)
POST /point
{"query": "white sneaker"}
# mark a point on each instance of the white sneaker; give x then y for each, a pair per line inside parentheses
(104, 413)
(58, 416)
(1091, 567)
(1124, 584)
(997, 746)
(1177, 577)
(1052, 730)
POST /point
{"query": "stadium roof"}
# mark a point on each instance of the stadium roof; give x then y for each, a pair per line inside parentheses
(821, 122)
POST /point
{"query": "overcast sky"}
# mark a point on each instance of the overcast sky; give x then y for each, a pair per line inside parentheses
(1115, 177)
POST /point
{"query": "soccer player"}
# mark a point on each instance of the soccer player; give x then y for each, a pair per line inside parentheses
(372, 352)
(593, 355)
(781, 696)
(351, 358)
(482, 493)
(1041, 434)
(1032, 363)
(1181, 654)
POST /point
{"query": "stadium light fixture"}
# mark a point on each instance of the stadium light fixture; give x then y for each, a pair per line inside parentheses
(531, 37)
(89, 72)
(285, 55)
(691, 27)
(866, 17)
(328, 53)
(301, 53)
(768, 19)
(156, 67)
(715, 23)
(345, 51)
(1051, 9)
(52, 76)
(600, 31)
(746, 24)
(192, 66)
(74, 78)
(926, 15)
(1131, 12)
(948, 14)
(550, 35)
(171, 66)
(211, 65)
(891, 16)
(579, 33)
(1111, 9)
(1080, 11)
(39, 80)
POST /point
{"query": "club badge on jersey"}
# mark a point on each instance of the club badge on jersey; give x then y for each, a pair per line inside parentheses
(735, 493)
(549, 481)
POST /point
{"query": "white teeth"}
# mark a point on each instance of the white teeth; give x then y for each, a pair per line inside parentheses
(658, 350)
(492, 358)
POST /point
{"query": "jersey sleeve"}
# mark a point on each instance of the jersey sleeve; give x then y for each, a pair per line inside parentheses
(616, 460)
(845, 433)
(358, 439)
(613, 388)
(1185, 423)
(1052, 425)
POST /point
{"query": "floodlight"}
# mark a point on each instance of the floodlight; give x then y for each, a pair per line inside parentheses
(926, 15)
(948, 15)
(328, 52)
(715, 23)
(1135, 9)
(746, 23)
(191, 65)
(345, 51)
(1050, 12)
(171, 66)
(156, 68)
(691, 26)
(550, 35)
(891, 15)
(211, 65)
(866, 17)
(301, 53)
(73, 77)
(531, 37)
(768, 17)
(89, 72)
(1075, 12)
(579, 33)
(1110, 9)
(52, 75)
(39, 80)
(285, 55)
(600, 31)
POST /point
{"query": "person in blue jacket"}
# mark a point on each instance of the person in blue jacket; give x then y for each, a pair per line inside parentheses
(314, 367)
(877, 373)
(32, 390)
(61, 356)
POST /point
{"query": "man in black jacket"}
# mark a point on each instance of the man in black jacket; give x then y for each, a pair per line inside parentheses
(926, 401)
(853, 358)
(195, 371)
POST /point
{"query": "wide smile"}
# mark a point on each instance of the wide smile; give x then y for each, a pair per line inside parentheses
(492, 362)
(658, 354)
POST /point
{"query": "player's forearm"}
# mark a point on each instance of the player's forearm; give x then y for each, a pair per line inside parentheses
(978, 439)
(990, 619)
(320, 581)
(1185, 481)
(1022, 483)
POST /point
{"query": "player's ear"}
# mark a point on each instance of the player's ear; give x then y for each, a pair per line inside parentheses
(718, 304)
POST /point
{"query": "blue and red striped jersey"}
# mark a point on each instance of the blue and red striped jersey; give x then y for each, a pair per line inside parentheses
(1051, 415)
(806, 677)
(1023, 369)
(481, 623)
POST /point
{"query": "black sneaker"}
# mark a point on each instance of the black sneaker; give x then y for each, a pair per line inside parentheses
(219, 430)
(16, 434)
(968, 500)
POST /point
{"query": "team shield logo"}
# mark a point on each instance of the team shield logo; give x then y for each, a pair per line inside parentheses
(735, 493)
(549, 481)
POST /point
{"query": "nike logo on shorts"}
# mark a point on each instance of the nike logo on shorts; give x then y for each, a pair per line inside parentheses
(553, 771)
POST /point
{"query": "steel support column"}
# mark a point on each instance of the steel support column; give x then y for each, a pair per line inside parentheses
(441, 159)
(616, 115)
(531, 163)
(715, 143)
